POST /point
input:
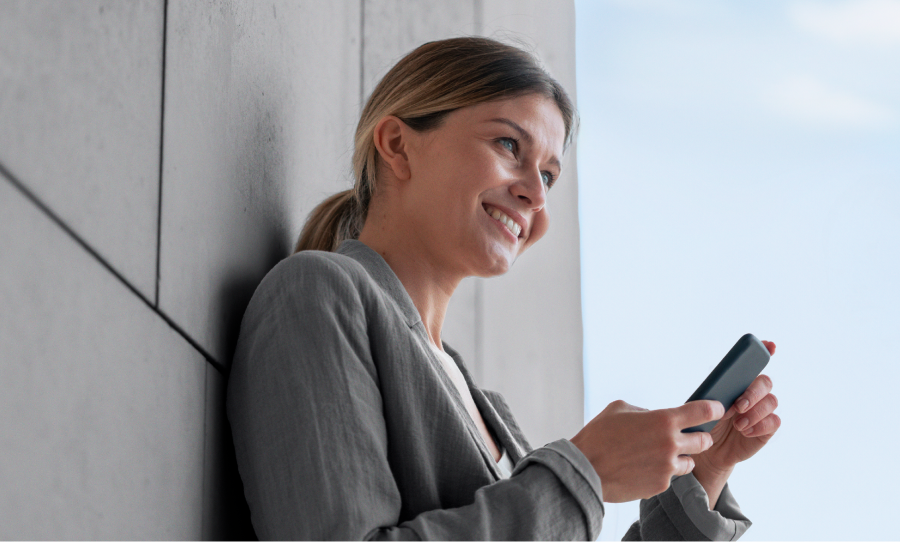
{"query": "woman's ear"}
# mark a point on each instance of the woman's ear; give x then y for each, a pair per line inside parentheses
(392, 141)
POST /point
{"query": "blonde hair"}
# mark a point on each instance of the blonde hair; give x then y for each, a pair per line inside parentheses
(424, 87)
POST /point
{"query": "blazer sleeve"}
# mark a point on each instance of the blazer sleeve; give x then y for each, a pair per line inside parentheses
(682, 513)
(311, 442)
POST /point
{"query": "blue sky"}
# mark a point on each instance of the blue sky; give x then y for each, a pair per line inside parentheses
(739, 171)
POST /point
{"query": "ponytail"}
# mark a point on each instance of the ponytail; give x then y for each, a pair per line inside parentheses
(332, 222)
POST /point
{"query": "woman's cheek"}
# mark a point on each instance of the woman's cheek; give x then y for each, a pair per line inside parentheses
(540, 223)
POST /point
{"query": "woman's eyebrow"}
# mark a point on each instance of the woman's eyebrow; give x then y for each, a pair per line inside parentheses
(523, 133)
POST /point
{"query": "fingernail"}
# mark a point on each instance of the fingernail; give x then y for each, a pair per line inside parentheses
(743, 405)
(741, 424)
(748, 432)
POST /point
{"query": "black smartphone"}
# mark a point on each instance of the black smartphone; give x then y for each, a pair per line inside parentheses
(732, 376)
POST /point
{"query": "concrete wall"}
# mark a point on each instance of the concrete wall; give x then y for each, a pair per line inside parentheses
(156, 159)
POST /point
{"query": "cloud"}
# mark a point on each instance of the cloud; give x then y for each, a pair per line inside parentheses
(809, 101)
(871, 22)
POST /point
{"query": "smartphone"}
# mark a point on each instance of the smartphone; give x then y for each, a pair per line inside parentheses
(732, 376)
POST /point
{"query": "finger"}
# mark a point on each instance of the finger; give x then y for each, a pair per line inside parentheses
(770, 346)
(760, 387)
(731, 412)
(683, 465)
(693, 443)
(697, 412)
(766, 426)
(762, 409)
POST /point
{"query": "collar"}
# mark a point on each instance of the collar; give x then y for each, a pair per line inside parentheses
(383, 275)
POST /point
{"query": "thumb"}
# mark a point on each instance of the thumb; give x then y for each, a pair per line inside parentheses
(697, 412)
(684, 465)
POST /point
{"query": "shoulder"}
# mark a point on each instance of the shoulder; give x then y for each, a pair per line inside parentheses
(309, 287)
(314, 274)
(317, 264)
(306, 298)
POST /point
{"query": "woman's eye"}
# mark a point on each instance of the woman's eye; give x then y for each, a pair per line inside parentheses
(548, 178)
(509, 144)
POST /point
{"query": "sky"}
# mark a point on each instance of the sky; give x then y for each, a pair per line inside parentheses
(739, 172)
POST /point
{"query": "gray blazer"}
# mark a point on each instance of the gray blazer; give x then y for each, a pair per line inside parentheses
(347, 427)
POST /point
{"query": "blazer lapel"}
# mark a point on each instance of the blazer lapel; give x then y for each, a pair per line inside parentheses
(474, 433)
(514, 446)
(510, 438)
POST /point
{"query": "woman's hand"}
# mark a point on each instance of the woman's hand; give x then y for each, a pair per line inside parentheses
(744, 430)
(636, 452)
(746, 427)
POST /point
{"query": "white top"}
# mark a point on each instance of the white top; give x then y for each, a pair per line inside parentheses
(505, 464)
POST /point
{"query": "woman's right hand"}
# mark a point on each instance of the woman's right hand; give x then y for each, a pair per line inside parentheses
(636, 452)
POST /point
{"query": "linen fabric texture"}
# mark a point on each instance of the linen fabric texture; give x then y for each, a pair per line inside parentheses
(346, 426)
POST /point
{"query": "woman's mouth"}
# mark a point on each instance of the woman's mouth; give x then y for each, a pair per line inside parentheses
(502, 217)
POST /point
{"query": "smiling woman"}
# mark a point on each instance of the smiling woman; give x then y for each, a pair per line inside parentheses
(422, 89)
(352, 419)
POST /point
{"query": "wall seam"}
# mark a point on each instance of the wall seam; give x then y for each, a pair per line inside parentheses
(478, 317)
(162, 121)
(362, 53)
(478, 21)
(18, 185)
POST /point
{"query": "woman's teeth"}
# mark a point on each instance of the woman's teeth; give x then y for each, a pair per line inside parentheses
(505, 220)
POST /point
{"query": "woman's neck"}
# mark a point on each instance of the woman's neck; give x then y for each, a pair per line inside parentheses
(428, 284)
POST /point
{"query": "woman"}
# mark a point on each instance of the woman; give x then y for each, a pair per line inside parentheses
(352, 419)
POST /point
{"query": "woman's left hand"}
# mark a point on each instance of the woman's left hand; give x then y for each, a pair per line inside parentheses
(746, 427)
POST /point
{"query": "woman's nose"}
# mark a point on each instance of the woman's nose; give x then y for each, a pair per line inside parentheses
(531, 190)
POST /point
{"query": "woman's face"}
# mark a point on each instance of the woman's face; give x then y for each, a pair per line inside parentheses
(477, 192)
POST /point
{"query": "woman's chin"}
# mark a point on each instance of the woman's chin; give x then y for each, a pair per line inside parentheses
(498, 264)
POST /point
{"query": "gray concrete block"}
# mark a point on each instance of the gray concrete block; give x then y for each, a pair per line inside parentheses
(392, 28)
(545, 27)
(80, 92)
(535, 359)
(262, 99)
(102, 432)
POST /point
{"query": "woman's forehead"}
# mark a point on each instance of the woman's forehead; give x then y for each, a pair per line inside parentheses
(538, 116)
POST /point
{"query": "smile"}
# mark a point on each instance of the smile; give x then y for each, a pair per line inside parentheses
(501, 217)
